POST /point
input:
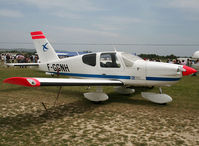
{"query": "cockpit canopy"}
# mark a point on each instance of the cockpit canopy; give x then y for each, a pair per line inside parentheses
(110, 60)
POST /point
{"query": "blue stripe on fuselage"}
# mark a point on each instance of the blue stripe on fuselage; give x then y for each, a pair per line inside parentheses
(161, 79)
(116, 77)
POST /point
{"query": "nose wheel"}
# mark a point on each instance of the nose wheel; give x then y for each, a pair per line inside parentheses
(157, 98)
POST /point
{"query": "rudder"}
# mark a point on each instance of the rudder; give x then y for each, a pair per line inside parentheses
(44, 49)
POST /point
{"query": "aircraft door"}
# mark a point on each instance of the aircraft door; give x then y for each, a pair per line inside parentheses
(110, 64)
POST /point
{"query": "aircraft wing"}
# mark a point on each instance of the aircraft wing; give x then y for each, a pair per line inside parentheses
(22, 64)
(35, 82)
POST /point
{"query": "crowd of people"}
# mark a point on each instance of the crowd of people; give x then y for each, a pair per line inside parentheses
(18, 58)
(187, 62)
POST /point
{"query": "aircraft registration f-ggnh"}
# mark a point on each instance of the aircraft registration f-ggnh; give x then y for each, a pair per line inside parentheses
(110, 68)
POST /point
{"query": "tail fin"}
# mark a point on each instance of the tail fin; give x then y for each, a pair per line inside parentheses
(43, 47)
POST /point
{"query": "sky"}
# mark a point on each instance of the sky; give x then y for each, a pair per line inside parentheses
(160, 27)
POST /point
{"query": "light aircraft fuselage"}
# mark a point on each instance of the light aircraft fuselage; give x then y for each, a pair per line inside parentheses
(130, 69)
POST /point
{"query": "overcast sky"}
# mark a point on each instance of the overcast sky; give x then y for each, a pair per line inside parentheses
(103, 22)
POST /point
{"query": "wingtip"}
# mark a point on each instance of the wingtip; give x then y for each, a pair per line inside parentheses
(23, 81)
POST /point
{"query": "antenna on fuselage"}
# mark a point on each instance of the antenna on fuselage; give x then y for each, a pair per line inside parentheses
(114, 48)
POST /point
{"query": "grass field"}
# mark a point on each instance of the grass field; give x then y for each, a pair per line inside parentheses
(122, 120)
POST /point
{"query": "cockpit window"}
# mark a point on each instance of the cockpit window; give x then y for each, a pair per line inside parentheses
(109, 60)
(129, 59)
(89, 59)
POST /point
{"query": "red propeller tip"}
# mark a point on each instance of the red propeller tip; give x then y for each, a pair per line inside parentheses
(188, 71)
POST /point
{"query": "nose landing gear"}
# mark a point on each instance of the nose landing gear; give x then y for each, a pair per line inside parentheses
(157, 98)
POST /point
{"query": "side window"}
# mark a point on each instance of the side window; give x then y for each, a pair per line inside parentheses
(109, 60)
(89, 59)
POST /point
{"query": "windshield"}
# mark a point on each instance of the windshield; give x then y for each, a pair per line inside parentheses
(131, 57)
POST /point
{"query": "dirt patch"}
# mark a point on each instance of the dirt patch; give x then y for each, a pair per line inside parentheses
(25, 122)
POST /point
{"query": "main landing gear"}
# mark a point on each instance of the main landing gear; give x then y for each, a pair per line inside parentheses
(97, 96)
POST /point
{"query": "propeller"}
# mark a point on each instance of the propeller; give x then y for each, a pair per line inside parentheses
(188, 70)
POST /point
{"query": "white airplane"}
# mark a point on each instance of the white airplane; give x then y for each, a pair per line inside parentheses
(110, 68)
(196, 56)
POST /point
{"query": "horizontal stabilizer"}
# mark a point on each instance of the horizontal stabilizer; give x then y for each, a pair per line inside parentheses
(22, 64)
(34, 82)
